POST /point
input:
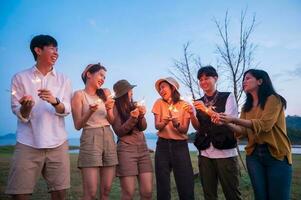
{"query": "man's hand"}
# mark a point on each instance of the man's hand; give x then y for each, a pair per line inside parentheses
(46, 95)
(27, 104)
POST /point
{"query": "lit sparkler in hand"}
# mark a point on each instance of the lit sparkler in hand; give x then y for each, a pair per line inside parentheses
(173, 111)
(112, 95)
(199, 105)
(141, 102)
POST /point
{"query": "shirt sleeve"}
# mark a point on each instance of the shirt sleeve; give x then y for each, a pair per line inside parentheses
(269, 117)
(156, 107)
(66, 100)
(17, 92)
(231, 106)
(122, 129)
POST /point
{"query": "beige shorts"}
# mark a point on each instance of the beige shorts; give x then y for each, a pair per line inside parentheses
(28, 163)
(133, 159)
(97, 148)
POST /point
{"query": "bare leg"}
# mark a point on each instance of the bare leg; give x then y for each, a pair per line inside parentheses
(127, 187)
(58, 195)
(146, 185)
(107, 175)
(90, 178)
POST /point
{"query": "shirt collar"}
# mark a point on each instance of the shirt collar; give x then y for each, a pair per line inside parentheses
(36, 70)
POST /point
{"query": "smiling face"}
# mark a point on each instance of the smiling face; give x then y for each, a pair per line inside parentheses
(250, 83)
(47, 54)
(96, 79)
(165, 91)
(207, 83)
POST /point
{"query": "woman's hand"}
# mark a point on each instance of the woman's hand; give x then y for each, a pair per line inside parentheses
(142, 110)
(109, 104)
(93, 107)
(226, 119)
(135, 113)
(188, 108)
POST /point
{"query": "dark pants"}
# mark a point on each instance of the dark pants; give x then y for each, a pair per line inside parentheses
(271, 178)
(226, 170)
(173, 155)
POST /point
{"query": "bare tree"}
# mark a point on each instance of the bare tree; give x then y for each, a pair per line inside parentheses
(236, 59)
(185, 71)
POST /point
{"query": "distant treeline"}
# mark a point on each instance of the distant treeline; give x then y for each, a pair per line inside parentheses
(293, 124)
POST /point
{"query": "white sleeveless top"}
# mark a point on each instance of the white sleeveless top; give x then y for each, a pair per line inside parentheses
(99, 117)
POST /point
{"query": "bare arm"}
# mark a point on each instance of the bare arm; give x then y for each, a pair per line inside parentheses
(79, 118)
(160, 123)
(109, 104)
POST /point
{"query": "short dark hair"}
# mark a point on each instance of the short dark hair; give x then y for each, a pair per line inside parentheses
(207, 71)
(40, 41)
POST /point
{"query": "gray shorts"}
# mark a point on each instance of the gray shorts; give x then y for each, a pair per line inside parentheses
(97, 148)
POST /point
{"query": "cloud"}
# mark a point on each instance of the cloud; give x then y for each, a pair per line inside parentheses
(296, 72)
(288, 75)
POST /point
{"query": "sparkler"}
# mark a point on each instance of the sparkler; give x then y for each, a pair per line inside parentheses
(36, 80)
(98, 101)
(12, 92)
(112, 95)
(141, 102)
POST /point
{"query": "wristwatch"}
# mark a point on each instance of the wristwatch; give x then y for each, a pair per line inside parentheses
(57, 102)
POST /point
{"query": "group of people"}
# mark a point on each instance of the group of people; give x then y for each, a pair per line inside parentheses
(42, 97)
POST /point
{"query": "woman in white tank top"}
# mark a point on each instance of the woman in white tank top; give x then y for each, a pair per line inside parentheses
(92, 111)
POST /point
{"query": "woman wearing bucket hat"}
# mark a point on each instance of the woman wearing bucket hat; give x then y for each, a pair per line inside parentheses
(133, 155)
(92, 111)
(172, 152)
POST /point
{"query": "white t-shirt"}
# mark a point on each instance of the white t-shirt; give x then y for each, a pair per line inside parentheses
(44, 128)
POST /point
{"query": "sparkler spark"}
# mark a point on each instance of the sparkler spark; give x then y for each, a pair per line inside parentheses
(112, 95)
(12, 92)
(36, 80)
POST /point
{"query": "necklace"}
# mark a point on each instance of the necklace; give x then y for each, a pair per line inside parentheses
(210, 103)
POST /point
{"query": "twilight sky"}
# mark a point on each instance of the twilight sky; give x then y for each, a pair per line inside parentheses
(139, 40)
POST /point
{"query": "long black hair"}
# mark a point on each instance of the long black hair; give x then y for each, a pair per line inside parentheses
(93, 69)
(265, 90)
(124, 106)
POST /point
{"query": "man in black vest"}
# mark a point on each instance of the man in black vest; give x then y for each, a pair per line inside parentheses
(216, 143)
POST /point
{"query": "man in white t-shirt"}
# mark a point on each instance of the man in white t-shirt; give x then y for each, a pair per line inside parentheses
(216, 143)
(40, 99)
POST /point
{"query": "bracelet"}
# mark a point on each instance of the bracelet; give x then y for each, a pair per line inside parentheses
(57, 102)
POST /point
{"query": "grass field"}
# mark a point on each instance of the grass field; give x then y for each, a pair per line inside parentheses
(75, 191)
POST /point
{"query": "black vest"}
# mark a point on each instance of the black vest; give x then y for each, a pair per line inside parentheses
(220, 136)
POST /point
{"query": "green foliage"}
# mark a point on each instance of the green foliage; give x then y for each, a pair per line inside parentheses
(75, 192)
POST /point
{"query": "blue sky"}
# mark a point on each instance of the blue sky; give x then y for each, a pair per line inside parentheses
(138, 40)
